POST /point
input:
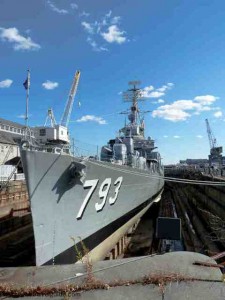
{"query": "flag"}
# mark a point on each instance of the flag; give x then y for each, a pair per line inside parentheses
(26, 83)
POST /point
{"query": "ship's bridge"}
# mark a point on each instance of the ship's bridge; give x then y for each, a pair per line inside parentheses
(134, 130)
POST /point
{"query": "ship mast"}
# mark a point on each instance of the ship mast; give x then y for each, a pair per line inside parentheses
(133, 95)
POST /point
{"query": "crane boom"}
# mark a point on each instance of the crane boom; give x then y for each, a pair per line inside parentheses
(69, 105)
(212, 139)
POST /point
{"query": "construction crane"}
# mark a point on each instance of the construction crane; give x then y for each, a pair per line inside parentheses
(69, 105)
(212, 139)
(50, 118)
(215, 157)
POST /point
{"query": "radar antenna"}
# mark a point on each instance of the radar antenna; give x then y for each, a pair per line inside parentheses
(133, 95)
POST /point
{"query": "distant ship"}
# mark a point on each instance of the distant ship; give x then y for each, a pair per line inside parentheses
(89, 201)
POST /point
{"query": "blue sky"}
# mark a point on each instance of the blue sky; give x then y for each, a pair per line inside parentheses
(175, 48)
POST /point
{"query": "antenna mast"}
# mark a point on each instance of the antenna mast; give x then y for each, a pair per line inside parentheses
(133, 95)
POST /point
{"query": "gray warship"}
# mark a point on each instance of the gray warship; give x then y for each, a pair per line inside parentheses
(77, 201)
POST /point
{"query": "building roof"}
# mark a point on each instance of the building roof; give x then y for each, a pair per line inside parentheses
(10, 123)
(7, 138)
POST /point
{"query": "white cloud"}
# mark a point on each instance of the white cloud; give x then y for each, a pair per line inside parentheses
(155, 94)
(23, 116)
(88, 27)
(5, 83)
(145, 91)
(206, 100)
(199, 136)
(20, 42)
(114, 35)
(49, 85)
(176, 136)
(216, 108)
(205, 108)
(92, 118)
(84, 14)
(151, 92)
(158, 101)
(165, 87)
(108, 15)
(171, 114)
(165, 136)
(74, 6)
(95, 47)
(177, 111)
(106, 21)
(115, 20)
(106, 28)
(218, 114)
(162, 89)
(56, 9)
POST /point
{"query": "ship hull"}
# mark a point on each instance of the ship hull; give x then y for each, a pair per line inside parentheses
(78, 205)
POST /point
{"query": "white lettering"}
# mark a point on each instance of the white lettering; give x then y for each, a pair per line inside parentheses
(103, 193)
(88, 183)
(117, 183)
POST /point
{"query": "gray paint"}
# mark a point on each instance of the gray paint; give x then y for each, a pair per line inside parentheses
(56, 198)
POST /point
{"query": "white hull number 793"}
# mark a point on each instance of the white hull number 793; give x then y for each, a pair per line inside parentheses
(103, 193)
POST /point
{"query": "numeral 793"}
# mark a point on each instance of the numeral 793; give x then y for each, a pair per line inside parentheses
(103, 193)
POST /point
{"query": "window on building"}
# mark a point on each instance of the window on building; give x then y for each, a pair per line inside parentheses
(42, 132)
(7, 127)
(11, 128)
(19, 130)
(61, 132)
(15, 130)
(2, 126)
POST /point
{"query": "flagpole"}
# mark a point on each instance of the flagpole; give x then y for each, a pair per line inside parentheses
(27, 97)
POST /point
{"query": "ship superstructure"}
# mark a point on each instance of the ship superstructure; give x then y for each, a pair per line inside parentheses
(130, 147)
(91, 202)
